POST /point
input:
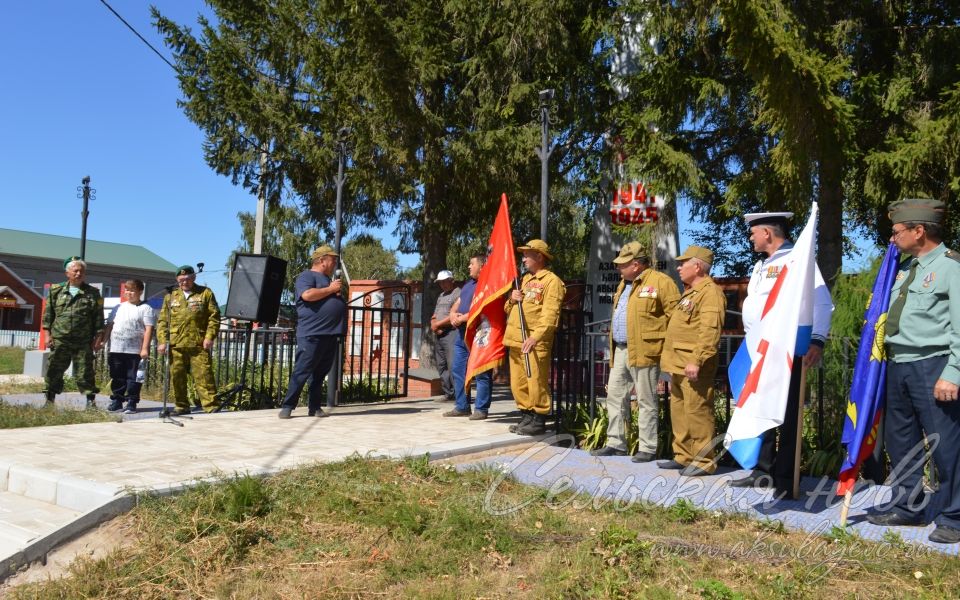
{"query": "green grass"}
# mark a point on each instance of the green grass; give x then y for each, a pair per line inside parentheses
(11, 360)
(12, 417)
(381, 529)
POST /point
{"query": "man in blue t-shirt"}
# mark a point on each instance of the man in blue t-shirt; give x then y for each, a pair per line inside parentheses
(458, 318)
(321, 318)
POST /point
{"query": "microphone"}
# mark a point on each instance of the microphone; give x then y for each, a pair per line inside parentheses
(337, 274)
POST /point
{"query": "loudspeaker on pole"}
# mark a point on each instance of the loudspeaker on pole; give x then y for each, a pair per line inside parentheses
(256, 284)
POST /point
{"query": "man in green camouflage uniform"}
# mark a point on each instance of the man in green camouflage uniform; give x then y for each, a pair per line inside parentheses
(73, 325)
(188, 324)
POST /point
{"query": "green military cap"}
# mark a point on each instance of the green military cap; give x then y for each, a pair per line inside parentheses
(70, 260)
(910, 210)
(185, 270)
(322, 251)
(630, 252)
(697, 252)
(537, 246)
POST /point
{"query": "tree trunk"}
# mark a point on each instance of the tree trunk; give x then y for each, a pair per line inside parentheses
(830, 239)
(434, 239)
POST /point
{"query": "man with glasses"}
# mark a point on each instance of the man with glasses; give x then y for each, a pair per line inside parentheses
(187, 325)
(643, 303)
(922, 338)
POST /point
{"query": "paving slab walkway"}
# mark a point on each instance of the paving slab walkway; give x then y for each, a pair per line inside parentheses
(57, 481)
(617, 482)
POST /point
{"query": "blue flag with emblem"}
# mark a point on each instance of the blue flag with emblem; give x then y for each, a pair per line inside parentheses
(868, 392)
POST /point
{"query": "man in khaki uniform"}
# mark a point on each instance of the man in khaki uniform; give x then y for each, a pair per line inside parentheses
(73, 322)
(690, 356)
(642, 304)
(188, 324)
(541, 293)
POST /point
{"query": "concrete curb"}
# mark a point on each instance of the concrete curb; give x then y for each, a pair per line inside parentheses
(38, 548)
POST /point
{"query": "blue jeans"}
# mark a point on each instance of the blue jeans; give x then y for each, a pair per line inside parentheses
(484, 380)
(123, 377)
(315, 356)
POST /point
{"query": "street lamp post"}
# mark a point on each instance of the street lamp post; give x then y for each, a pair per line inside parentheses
(342, 136)
(544, 152)
(335, 378)
(87, 193)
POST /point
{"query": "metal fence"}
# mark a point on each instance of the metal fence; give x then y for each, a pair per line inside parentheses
(377, 348)
(28, 340)
(376, 355)
(580, 370)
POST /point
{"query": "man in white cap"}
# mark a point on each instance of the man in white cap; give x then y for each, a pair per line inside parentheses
(445, 332)
(768, 233)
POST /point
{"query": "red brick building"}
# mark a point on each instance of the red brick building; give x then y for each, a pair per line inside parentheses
(20, 304)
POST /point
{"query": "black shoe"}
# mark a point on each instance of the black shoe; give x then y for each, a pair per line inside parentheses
(759, 481)
(285, 413)
(669, 464)
(944, 535)
(527, 415)
(182, 411)
(457, 413)
(608, 451)
(49, 397)
(642, 457)
(91, 400)
(693, 471)
(894, 519)
(537, 425)
(130, 409)
(115, 405)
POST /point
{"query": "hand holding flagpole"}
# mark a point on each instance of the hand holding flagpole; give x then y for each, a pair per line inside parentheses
(523, 323)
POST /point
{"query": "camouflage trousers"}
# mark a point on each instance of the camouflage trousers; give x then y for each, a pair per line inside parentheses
(81, 355)
(196, 362)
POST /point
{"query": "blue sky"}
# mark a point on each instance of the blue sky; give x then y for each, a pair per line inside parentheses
(82, 95)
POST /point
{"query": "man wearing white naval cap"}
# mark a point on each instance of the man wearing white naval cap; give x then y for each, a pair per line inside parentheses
(768, 234)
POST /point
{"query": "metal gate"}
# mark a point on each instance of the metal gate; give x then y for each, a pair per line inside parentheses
(377, 346)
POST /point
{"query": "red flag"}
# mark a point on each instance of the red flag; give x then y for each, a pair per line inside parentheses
(487, 319)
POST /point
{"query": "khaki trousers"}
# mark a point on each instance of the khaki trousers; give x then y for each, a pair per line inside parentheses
(531, 393)
(691, 412)
(623, 379)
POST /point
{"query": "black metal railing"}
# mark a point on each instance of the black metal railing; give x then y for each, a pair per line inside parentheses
(378, 345)
(376, 355)
(581, 370)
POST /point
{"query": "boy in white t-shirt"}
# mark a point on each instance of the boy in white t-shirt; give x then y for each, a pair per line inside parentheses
(130, 327)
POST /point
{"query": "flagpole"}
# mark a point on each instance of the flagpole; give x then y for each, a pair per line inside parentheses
(801, 397)
(847, 497)
(523, 328)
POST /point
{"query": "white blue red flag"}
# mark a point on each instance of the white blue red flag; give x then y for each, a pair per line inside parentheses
(760, 372)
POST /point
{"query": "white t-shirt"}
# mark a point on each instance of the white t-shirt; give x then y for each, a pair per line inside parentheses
(129, 324)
